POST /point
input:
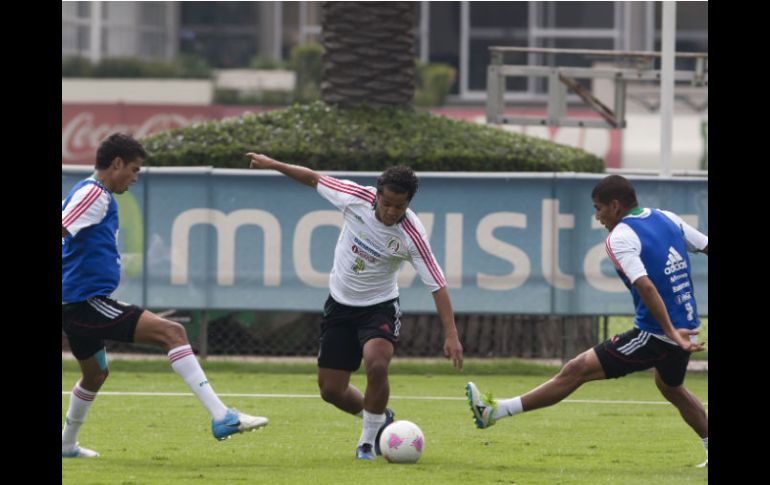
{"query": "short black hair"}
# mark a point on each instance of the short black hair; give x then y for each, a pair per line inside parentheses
(400, 179)
(118, 145)
(615, 187)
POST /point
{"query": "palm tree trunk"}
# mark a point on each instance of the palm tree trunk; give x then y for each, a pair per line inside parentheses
(368, 53)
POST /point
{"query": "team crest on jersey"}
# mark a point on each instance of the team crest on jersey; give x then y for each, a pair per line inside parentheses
(394, 244)
(358, 266)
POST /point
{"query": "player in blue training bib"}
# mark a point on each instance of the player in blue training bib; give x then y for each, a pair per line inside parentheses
(91, 273)
(648, 248)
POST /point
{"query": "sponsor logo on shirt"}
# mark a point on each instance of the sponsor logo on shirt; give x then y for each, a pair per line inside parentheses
(675, 262)
(362, 254)
(358, 266)
(677, 277)
(680, 286)
(366, 247)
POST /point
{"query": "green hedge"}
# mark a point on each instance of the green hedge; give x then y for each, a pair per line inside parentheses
(186, 66)
(328, 138)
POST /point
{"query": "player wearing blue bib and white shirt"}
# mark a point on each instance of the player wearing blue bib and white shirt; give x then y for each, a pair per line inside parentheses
(91, 273)
(361, 315)
(648, 248)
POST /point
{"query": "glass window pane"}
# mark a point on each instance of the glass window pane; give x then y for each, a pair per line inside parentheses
(445, 35)
(579, 15)
(689, 16)
(499, 14)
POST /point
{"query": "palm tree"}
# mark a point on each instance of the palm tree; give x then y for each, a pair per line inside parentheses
(368, 53)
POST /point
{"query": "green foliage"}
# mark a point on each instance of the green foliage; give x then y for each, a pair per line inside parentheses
(330, 138)
(262, 98)
(185, 66)
(433, 83)
(306, 62)
(76, 67)
(264, 62)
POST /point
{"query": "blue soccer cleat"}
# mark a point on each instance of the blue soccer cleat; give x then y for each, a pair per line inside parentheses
(235, 422)
(365, 452)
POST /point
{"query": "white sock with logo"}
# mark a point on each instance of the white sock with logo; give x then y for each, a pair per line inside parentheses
(80, 402)
(371, 424)
(509, 407)
(185, 364)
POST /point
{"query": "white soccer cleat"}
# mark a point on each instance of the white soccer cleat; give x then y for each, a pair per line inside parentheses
(483, 406)
(79, 452)
(705, 464)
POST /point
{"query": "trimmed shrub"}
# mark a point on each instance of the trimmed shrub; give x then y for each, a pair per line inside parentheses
(433, 83)
(323, 137)
(306, 62)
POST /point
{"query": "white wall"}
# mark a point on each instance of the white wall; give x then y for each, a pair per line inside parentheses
(160, 91)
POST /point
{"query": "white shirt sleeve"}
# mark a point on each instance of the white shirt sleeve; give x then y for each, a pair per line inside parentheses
(342, 193)
(87, 207)
(625, 251)
(693, 238)
(420, 252)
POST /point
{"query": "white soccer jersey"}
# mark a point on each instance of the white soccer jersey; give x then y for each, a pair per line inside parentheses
(625, 247)
(369, 253)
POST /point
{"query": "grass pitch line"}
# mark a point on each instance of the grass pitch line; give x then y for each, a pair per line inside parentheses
(316, 396)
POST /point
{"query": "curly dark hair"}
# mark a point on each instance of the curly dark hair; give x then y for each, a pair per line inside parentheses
(400, 179)
(118, 145)
(615, 187)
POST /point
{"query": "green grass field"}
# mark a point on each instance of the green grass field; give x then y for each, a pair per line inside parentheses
(623, 434)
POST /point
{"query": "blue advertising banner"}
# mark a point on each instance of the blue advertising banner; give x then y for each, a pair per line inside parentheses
(520, 243)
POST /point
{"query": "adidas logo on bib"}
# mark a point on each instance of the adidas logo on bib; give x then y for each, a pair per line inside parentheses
(675, 261)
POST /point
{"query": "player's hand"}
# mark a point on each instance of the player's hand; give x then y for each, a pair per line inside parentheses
(260, 161)
(453, 349)
(688, 344)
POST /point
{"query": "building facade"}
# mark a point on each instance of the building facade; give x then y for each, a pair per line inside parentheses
(230, 34)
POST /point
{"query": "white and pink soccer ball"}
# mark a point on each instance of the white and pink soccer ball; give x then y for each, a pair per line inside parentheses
(402, 442)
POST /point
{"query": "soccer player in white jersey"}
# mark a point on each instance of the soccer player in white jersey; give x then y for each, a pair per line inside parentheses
(91, 273)
(648, 248)
(361, 315)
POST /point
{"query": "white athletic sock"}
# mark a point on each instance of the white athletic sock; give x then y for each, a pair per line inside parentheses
(80, 402)
(371, 424)
(185, 364)
(705, 442)
(508, 407)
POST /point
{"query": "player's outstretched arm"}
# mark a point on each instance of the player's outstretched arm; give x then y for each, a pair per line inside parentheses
(301, 174)
(453, 349)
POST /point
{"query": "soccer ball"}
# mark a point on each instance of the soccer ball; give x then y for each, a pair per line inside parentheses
(402, 442)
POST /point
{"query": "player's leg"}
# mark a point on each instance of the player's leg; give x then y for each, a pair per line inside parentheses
(94, 373)
(487, 411)
(335, 388)
(377, 354)
(689, 407)
(172, 336)
(339, 355)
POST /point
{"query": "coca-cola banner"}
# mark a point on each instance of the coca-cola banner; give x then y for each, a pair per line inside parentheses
(84, 126)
